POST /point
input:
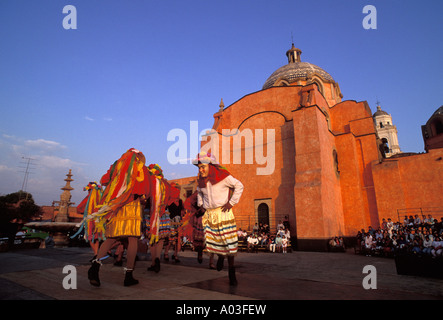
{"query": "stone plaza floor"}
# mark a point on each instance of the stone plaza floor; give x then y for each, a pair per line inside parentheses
(37, 274)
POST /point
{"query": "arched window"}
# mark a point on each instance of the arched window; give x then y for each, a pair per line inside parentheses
(385, 145)
(281, 83)
(319, 84)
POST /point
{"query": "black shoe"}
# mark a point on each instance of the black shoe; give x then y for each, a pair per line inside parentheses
(151, 268)
(177, 260)
(156, 266)
(232, 278)
(93, 273)
(118, 263)
(129, 279)
(220, 263)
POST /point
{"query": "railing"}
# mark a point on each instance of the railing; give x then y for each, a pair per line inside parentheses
(248, 222)
(435, 212)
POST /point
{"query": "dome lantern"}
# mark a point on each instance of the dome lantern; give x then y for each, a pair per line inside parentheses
(293, 54)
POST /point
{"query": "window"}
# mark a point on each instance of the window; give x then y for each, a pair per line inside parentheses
(263, 213)
(437, 127)
(385, 145)
(335, 159)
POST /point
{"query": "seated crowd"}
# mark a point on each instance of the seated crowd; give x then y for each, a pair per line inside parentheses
(415, 235)
(336, 244)
(261, 237)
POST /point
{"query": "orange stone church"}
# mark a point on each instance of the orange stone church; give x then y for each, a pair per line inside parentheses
(302, 152)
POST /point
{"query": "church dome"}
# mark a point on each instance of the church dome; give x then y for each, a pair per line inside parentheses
(296, 70)
(380, 112)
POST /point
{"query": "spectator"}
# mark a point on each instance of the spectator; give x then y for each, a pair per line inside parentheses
(378, 235)
(439, 226)
(286, 223)
(284, 243)
(389, 225)
(387, 245)
(369, 245)
(240, 235)
(423, 219)
(278, 242)
(252, 243)
(416, 246)
(260, 228)
(281, 231)
(405, 221)
(417, 221)
(430, 220)
(272, 244)
(402, 244)
(287, 234)
(437, 247)
(332, 244)
(427, 246)
(264, 240)
(341, 242)
(280, 225)
(384, 224)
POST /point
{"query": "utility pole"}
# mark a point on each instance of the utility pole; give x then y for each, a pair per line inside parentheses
(27, 172)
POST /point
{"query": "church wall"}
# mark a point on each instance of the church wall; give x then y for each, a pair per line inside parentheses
(414, 181)
(317, 189)
(388, 188)
(351, 184)
(333, 208)
(356, 148)
(307, 189)
(273, 187)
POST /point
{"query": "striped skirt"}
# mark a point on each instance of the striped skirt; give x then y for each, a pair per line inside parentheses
(164, 229)
(220, 232)
(198, 233)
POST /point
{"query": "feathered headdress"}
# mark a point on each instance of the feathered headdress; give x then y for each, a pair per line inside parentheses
(125, 178)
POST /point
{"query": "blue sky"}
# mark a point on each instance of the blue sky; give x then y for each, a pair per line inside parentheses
(134, 70)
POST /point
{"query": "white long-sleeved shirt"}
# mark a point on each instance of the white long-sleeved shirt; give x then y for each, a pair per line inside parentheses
(215, 196)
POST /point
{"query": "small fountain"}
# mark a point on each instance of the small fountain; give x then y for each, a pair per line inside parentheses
(61, 226)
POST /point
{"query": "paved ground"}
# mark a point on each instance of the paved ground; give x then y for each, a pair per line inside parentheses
(37, 274)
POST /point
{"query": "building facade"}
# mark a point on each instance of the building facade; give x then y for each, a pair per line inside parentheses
(303, 153)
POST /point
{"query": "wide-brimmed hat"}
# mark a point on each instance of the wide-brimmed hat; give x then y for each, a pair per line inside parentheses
(204, 157)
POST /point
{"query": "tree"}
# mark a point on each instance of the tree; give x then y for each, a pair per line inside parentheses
(16, 209)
